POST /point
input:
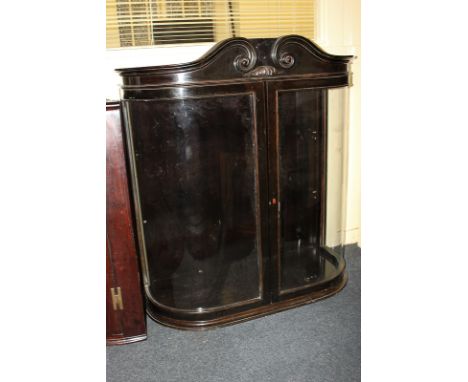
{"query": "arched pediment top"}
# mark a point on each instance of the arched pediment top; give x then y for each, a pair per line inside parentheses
(281, 47)
(240, 58)
(244, 61)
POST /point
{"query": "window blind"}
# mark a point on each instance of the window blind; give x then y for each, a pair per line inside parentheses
(159, 22)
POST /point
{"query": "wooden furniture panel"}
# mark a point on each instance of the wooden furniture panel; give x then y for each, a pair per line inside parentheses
(124, 310)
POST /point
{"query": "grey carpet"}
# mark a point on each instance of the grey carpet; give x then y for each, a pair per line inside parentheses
(319, 342)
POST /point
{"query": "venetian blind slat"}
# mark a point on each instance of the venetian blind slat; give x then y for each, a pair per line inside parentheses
(162, 22)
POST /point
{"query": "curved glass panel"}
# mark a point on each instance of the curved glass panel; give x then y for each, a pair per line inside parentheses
(301, 118)
(336, 148)
(310, 167)
(196, 162)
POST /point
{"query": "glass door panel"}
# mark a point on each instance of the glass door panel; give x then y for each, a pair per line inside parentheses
(300, 121)
(197, 161)
(298, 167)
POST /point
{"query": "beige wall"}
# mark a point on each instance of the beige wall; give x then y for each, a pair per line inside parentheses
(338, 31)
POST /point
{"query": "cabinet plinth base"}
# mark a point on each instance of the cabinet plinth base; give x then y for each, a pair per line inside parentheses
(331, 289)
(111, 341)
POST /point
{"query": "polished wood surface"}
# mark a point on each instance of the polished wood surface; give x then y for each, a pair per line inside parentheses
(227, 165)
(239, 59)
(124, 309)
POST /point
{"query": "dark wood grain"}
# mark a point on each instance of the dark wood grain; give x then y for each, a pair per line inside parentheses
(226, 156)
(125, 319)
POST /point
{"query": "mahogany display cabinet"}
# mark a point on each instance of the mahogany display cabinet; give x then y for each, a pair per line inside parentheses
(125, 314)
(236, 165)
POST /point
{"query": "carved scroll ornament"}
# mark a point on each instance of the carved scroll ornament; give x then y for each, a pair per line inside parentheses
(262, 71)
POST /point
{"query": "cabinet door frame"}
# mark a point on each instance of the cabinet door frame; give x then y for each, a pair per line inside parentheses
(256, 90)
(273, 88)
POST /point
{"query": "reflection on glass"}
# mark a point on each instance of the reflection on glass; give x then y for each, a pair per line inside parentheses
(336, 146)
(196, 166)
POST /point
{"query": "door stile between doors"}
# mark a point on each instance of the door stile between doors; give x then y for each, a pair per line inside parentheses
(274, 202)
(270, 279)
(262, 176)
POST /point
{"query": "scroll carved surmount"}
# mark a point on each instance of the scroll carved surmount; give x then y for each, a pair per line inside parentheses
(246, 62)
(262, 71)
(281, 57)
(286, 60)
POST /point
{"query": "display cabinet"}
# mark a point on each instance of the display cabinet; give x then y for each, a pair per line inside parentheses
(236, 163)
(125, 314)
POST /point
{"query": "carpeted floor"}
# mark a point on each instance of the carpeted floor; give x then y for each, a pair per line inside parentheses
(319, 342)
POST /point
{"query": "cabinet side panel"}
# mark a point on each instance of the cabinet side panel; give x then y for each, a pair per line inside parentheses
(124, 292)
(113, 317)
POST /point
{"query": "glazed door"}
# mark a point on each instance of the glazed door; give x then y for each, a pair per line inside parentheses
(297, 126)
(199, 167)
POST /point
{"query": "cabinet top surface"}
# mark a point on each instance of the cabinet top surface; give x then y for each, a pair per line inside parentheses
(238, 59)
